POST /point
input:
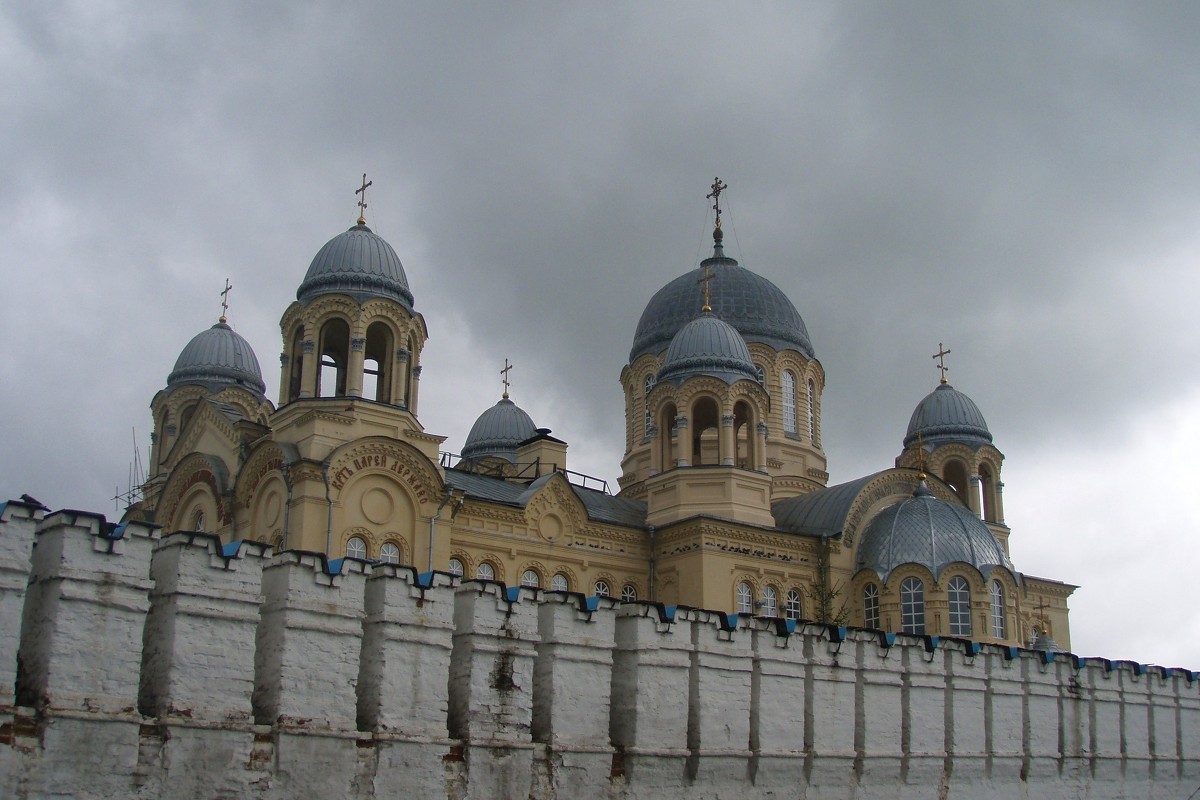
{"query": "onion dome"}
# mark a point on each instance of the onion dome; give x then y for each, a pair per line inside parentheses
(708, 346)
(218, 358)
(498, 432)
(360, 264)
(947, 415)
(931, 532)
(1045, 644)
(750, 303)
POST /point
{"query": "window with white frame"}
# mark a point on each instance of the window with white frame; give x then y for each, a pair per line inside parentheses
(628, 593)
(601, 589)
(356, 548)
(486, 572)
(788, 381)
(456, 567)
(959, 595)
(770, 602)
(559, 582)
(389, 553)
(531, 579)
(912, 606)
(793, 608)
(871, 606)
(999, 629)
(745, 598)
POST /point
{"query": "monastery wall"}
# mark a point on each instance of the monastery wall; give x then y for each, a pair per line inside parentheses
(138, 666)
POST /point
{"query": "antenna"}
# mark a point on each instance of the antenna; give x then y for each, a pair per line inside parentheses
(137, 477)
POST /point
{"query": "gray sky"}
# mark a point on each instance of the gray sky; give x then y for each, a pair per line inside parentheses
(1019, 181)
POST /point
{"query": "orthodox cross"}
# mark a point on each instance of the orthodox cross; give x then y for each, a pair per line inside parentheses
(940, 355)
(717, 187)
(362, 201)
(704, 281)
(504, 372)
(225, 298)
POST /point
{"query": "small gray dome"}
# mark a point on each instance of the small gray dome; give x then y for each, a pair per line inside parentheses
(216, 358)
(357, 263)
(750, 303)
(947, 415)
(498, 431)
(708, 346)
(931, 532)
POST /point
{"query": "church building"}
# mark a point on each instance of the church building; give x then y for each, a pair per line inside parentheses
(724, 500)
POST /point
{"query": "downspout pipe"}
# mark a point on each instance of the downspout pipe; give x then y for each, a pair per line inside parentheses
(653, 564)
(329, 510)
(458, 504)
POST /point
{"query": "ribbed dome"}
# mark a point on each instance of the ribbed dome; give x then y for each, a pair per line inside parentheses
(498, 431)
(216, 358)
(948, 415)
(357, 263)
(708, 346)
(750, 303)
(931, 532)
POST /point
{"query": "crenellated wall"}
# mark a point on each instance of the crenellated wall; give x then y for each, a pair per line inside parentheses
(134, 665)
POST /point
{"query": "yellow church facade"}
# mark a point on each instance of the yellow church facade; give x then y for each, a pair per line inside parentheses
(723, 498)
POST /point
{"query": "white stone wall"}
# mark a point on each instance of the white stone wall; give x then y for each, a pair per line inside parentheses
(134, 666)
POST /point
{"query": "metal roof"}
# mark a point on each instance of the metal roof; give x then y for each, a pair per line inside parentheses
(600, 507)
(947, 415)
(359, 263)
(708, 346)
(498, 431)
(216, 358)
(822, 512)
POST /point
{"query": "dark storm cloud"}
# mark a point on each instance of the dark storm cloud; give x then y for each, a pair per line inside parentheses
(1016, 180)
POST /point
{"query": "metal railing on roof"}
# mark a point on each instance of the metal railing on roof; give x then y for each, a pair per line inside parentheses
(526, 471)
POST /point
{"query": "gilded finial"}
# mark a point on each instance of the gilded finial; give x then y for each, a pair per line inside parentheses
(504, 377)
(704, 280)
(225, 300)
(940, 355)
(362, 201)
(715, 195)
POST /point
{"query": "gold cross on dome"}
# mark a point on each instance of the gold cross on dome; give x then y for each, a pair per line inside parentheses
(504, 379)
(225, 298)
(715, 195)
(362, 201)
(940, 355)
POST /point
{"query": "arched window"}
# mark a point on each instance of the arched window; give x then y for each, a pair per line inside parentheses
(356, 548)
(789, 401)
(762, 375)
(987, 490)
(999, 629)
(559, 583)
(812, 411)
(705, 422)
(770, 603)
(871, 606)
(456, 567)
(198, 520)
(601, 589)
(793, 609)
(912, 606)
(628, 593)
(335, 355)
(485, 572)
(297, 364)
(531, 579)
(955, 474)
(389, 553)
(377, 363)
(745, 599)
(959, 595)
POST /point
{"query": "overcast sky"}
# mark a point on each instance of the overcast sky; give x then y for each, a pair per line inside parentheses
(1019, 181)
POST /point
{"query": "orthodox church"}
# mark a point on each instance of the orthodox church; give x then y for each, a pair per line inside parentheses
(724, 500)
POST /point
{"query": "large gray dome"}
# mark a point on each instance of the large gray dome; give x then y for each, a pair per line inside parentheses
(708, 346)
(360, 264)
(216, 358)
(931, 532)
(947, 415)
(750, 303)
(498, 431)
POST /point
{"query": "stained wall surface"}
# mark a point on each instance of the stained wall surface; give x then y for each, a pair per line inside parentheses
(135, 665)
